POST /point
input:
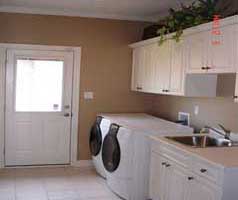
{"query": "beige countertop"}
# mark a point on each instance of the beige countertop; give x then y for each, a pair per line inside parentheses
(225, 156)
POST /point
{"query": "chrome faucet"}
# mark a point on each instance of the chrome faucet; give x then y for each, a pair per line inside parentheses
(226, 133)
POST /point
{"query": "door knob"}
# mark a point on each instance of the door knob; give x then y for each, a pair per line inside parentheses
(66, 114)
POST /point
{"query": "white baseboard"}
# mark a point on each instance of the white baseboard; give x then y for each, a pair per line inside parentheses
(82, 163)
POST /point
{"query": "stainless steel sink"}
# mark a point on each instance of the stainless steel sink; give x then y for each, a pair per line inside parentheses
(201, 141)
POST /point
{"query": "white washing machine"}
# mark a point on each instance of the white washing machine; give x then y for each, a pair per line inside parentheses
(126, 154)
(117, 152)
(98, 132)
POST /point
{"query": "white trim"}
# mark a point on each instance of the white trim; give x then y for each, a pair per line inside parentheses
(75, 97)
(2, 103)
(74, 13)
(75, 105)
(83, 163)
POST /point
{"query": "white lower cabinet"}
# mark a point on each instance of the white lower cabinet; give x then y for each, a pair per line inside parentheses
(157, 185)
(201, 189)
(169, 180)
(177, 182)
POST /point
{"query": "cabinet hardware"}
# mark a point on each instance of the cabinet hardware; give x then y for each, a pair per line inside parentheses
(203, 68)
(165, 90)
(203, 170)
(190, 178)
(167, 165)
(235, 97)
(207, 68)
(139, 88)
(163, 163)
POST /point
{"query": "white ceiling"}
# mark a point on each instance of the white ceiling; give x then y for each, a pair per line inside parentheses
(142, 10)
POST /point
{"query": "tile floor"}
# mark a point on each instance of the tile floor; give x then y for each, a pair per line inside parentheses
(65, 183)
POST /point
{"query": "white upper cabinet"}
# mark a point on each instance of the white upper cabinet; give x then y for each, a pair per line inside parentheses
(236, 89)
(138, 69)
(162, 58)
(197, 50)
(177, 70)
(209, 53)
(184, 68)
(221, 57)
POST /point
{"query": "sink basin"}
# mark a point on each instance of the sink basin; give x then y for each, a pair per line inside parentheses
(201, 141)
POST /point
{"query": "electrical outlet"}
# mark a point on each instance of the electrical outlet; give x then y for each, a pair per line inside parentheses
(184, 118)
(196, 110)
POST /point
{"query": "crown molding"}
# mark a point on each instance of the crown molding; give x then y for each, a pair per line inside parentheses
(73, 13)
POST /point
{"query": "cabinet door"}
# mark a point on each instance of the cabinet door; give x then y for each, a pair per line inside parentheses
(221, 54)
(157, 177)
(236, 90)
(149, 68)
(138, 69)
(177, 68)
(201, 189)
(162, 67)
(196, 52)
(177, 185)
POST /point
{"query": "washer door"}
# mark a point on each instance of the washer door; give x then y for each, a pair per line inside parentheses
(111, 153)
(95, 140)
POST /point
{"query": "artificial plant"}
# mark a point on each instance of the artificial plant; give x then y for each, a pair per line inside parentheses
(199, 12)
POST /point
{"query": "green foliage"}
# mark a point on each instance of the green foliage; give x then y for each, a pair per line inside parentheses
(199, 12)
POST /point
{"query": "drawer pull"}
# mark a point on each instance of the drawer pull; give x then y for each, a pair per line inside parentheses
(139, 88)
(163, 163)
(190, 178)
(235, 97)
(167, 165)
(203, 170)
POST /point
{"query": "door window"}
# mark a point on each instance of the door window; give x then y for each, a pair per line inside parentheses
(39, 85)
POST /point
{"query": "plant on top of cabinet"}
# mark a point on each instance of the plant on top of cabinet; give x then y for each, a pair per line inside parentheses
(199, 12)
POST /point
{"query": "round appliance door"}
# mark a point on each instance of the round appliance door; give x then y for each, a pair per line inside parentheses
(95, 139)
(111, 153)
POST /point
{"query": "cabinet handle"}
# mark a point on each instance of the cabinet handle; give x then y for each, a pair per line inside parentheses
(190, 178)
(203, 170)
(167, 165)
(165, 90)
(235, 97)
(139, 88)
(163, 163)
(207, 68)
(203, 68)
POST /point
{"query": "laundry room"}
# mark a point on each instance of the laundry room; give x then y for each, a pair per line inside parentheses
(110, 100)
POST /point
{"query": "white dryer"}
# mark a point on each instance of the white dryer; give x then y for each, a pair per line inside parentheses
(117, 154)
(97, 134)
(126, 154)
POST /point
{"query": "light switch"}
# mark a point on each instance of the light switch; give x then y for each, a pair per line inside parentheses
(88, 95)
(196, 110)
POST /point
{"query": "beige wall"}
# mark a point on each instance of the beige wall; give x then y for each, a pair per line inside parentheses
(106, 59)
(212, 110)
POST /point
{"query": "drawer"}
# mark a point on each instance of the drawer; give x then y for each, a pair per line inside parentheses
(174, 154)
(207, 170)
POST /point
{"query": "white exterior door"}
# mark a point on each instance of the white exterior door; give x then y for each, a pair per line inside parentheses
(38, 107)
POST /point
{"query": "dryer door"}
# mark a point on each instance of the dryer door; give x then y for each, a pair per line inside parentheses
(95, 140)
(111, 153)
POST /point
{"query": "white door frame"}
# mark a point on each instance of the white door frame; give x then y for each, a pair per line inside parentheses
(75, 95)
